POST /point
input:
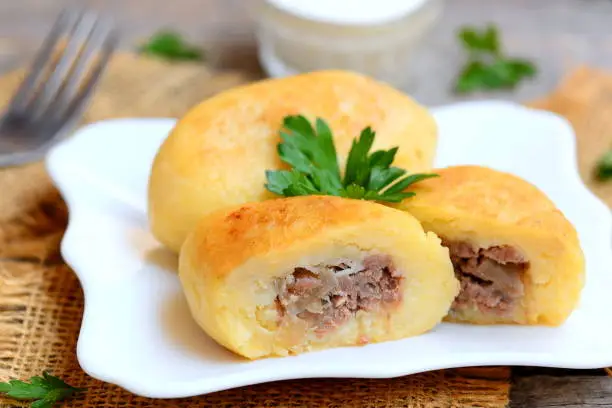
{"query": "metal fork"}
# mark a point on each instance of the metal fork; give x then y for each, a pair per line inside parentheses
(52, 97)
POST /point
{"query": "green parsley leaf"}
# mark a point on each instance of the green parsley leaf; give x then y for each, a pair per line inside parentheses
(405, 182)
(42, 404)
(470, 78)
(45, 390)
(358, 163)
(381, 177)
(474, 41)
(278, 181)
(312, 156)
(522, 67)
(21, 390)
(603, 170)
(354, 191)
(487, 68)
(171, 46)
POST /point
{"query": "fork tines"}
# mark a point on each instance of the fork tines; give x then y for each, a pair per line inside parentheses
(66, 68)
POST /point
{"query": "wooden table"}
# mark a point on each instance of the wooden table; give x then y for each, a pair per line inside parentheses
(558, 34)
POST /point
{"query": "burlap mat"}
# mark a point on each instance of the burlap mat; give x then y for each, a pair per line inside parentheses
(41, 301)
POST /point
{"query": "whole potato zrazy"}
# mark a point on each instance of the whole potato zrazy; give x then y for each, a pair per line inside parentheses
(217, 154)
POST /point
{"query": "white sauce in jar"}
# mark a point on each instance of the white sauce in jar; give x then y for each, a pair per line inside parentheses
(349, 11)
(374, 37)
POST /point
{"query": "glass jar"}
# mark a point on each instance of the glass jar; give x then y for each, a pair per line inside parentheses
(373, 37)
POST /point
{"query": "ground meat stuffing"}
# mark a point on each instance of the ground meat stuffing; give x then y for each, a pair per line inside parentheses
(326, 296)
(491, 278)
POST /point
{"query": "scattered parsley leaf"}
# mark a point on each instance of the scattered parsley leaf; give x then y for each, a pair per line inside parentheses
(522, 67)
(45, 390)
(171, 46)
(311, 153)
(603, 170)
(487, 41)
(487, 67)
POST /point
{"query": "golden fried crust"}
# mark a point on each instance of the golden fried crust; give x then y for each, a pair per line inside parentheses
(226, 239)
(217, 154)
(488, 208)
(487, 194)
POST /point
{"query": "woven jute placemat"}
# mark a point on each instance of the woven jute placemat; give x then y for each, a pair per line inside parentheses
(41, 302)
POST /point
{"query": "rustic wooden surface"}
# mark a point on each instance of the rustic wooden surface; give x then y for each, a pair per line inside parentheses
(567, 392)
(558, 34)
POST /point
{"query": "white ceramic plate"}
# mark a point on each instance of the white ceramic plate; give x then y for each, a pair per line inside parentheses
(137, 331)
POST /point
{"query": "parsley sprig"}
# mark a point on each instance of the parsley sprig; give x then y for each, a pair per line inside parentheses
(171, 46)
(45, 390)
(487, 67)
(311, 153)
(603, 168)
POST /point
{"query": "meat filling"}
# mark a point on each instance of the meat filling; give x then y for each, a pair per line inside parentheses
(491, 278)
(326, 296)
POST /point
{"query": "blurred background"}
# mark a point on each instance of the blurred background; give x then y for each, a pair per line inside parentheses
(556, 35)
(556, 52)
